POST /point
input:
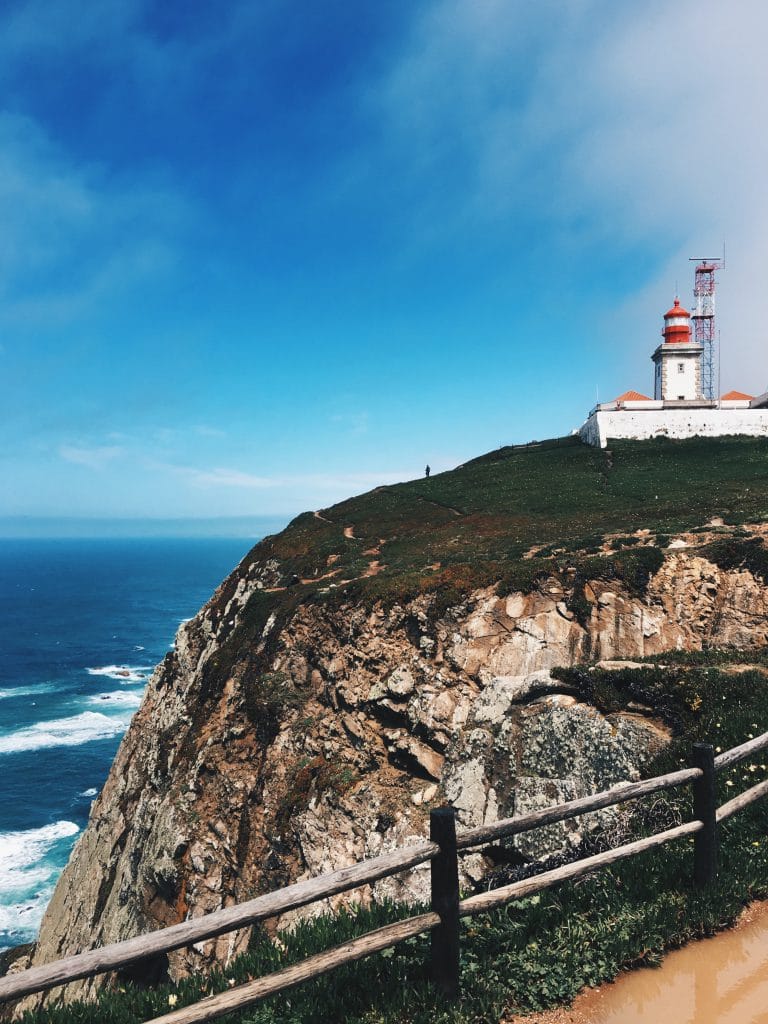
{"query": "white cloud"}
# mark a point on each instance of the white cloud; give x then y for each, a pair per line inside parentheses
(351, 481)
(95, 457)
(223, 477)
(125, 39)
(71, 237)
(628, 127)
(203, 430)
(318, 482)
(679, 109)
(353, 424)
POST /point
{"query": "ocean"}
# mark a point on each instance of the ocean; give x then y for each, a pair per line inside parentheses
(82, 625)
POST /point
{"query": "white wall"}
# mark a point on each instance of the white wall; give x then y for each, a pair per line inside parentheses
(680, 377)
(642, 425)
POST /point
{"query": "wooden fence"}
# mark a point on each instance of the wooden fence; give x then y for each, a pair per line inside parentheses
(442, 920)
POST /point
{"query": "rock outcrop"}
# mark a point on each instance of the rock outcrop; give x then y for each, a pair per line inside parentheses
(325, 731)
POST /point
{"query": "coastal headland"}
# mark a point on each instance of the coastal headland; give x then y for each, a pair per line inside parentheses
(543, 622)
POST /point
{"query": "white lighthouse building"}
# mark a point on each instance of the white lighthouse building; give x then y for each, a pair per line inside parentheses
(679, 407)
(678, 376)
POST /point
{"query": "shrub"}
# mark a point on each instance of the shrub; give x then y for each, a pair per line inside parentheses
(267, 698)
(739, 553)
(312, 777)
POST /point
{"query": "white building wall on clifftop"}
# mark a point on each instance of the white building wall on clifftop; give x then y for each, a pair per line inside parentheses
(589, 431)
(602, 426)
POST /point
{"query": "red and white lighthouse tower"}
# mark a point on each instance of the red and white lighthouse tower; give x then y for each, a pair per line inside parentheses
(678, 359)
(677, 325)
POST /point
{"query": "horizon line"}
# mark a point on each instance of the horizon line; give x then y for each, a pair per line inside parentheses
(36, 527)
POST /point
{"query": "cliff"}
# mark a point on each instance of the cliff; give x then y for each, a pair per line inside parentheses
(382, 656)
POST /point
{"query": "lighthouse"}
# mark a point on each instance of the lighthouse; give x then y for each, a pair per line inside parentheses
(684, 403)
(677, 360)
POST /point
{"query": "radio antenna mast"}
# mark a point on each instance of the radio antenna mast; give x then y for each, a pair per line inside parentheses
(704, 322)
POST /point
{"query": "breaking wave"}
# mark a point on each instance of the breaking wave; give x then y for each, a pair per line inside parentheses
(27, 691)
(118, 698)
(63, 732)
(29, 867)
(123, 673)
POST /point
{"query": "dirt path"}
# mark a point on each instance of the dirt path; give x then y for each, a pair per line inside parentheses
(439, 504)
(374, 566)
(585, 1008)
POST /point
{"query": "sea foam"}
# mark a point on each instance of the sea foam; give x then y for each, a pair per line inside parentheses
(122, 673)
(21, 854)
(27, 691)
(27, 876)
(119, 698)
(63, 732)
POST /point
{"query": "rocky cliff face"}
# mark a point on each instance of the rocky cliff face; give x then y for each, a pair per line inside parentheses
(280, 741)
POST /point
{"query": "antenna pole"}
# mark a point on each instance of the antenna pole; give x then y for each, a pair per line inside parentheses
(704, 325)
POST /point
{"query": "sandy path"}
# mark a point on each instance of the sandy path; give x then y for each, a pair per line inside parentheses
(581, 1012)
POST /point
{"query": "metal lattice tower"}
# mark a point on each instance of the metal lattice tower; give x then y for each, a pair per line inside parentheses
(704, 324)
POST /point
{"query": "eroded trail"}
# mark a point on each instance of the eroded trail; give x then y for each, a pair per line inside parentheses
(722, 980)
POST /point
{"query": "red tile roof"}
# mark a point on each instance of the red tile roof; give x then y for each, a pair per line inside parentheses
(734, 396)
(633, 396)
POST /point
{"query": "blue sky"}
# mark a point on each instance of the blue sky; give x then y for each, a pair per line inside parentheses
(256, 257)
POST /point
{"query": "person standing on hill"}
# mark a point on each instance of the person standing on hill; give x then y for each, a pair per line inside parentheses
(427, 471)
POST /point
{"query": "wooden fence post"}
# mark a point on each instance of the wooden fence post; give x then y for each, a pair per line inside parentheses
(704, 809)
(445, 902)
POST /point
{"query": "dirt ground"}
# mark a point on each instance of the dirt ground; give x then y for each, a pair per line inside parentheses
(578, 1012)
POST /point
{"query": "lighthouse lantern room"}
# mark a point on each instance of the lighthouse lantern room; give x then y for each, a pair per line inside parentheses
(678, 360)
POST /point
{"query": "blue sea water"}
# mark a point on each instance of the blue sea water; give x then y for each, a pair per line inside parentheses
(82, 624)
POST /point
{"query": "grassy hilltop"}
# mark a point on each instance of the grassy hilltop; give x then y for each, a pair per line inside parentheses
(510, 518)
(474, 523)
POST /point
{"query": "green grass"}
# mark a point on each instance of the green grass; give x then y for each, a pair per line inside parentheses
(540, 951)
(738, 553)
(444, 537)
(472, 526)
(529, 955)
(493, 509)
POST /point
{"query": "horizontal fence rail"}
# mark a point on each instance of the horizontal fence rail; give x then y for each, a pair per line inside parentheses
(574, 808)
(253, 991)
(493, 898)
(738, 803)
(246, 995)
(743, 751)
(122, 954)
(446, 910)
